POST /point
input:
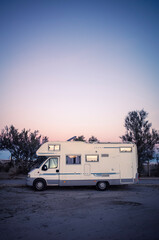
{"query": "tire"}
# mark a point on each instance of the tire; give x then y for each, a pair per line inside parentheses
(39, 184)
(102, 186)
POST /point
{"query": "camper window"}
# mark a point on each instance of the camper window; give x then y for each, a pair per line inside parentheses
(55, 147)
(73, 159)
(125, 149)
(92, 158)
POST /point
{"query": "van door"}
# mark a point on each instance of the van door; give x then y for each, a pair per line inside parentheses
(126, 168)
(50, 171)
(87, 169)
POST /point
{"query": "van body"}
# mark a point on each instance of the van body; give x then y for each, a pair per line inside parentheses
(78, 164)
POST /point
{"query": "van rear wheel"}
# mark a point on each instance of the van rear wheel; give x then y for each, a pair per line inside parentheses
(102, 186)
(39, 184)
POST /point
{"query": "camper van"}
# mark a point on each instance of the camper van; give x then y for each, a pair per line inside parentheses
(79, 164)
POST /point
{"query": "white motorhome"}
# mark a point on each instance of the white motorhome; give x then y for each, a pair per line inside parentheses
(79, 163)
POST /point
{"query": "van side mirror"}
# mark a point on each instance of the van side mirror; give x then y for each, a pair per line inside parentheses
(44, 167)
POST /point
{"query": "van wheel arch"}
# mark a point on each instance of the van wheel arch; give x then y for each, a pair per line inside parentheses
(102, 185)
(39, 184)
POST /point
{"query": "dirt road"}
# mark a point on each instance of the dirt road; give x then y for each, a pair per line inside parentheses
(125, 212)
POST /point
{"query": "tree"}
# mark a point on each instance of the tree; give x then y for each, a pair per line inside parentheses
(80, 138)
(138, 131)
(22, 145)
(93, 139)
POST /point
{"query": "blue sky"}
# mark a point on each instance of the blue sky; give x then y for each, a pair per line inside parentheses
(78, 67)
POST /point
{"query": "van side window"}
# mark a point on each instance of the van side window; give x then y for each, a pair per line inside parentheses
(52, 163)
(73, 159)
(125, 149)
(92, 158)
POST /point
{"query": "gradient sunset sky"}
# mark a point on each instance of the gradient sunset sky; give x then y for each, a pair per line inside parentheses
(74, 67)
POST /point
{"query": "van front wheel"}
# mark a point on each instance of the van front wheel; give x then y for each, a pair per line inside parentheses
(39, 184)
(102, 186)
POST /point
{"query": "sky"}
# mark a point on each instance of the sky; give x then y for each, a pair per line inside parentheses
(74, 67)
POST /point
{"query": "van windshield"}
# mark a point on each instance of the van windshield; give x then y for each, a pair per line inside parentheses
(40, 160)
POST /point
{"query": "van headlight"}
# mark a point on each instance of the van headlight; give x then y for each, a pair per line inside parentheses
(28, 175)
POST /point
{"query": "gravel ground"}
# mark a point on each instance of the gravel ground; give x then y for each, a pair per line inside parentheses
(122, 212)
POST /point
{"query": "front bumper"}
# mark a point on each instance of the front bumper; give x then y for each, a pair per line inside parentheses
(29, 181)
